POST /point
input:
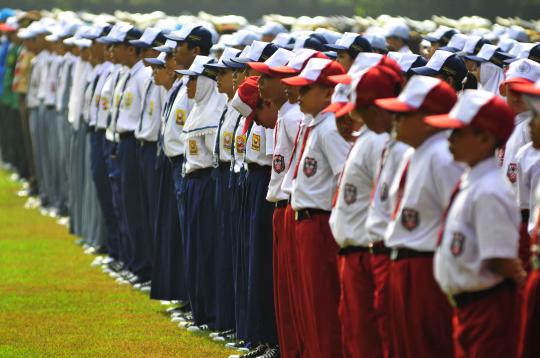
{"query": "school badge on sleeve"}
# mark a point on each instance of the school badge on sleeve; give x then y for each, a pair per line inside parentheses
(180, 116)
(105, 103)
(410, 219)
(151, 108)
(456, 246)
(310, 166)
(128, 100)
(227, 140)
(512, 172)
(349, 193)
(279, 163)
(193, 149)
(240, 143)
(256, 143)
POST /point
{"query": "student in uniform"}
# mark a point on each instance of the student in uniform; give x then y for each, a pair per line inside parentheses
(348, 47)
(362, 258)
(419, 314)
(397, 35)
(224, 249)
(199, 225)
(446, 66)
(322, 156)
(529, 333)
(489, 71)
(476, 262)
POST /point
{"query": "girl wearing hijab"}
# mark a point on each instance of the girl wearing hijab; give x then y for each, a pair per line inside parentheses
(199, 219)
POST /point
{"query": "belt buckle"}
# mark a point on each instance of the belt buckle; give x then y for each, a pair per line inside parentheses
(394, 254)
(295, 215)
(451, 300)
(371, 247)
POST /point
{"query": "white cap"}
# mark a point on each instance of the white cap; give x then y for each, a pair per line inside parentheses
(458, 41)
(523, 68)
(363, 61)
(398, 29)
(272, 28)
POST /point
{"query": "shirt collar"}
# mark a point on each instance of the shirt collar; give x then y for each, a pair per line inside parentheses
(136, 67)
(431, 141)
(521, 117)
(319, 118)
(475, 173)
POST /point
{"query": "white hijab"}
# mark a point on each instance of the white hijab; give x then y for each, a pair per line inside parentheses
(209, 105)
(491, 77)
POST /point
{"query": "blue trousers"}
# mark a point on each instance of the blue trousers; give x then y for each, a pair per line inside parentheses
(261, 323)
(104, 192)
(199, 236)
(224, 250)
(168, 279)
(138, 226)
(146, 157)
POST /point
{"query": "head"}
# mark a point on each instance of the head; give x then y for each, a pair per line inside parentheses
(471, 145)
(163, 76)
(375, 118)
(192, 87)
(345, 59)
(515, 100)
(265, 114)
(293, 94)
(185, 52)
(314, 98)
(272, 89)
(395, 43)
(225, 82)
(238, 77)
(534, 128)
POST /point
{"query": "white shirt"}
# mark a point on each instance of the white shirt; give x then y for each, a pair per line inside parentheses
(45, 60)
(106, 96)
(432, 175)
(111, 133)
(226, 134)
(520, 136)
(287, 184)
(320, 165)
(150, 118)
(51, 82)
(348, 218)
(105, 70)
(380, 208)
(81, 71)
(131, 98)
(260, 145)
(38, 62)
(289, 118)
(199, 152)
(173, 138)
(405, 49)
(482, 223)
(64, 77)
(528, 160)
(87, 96)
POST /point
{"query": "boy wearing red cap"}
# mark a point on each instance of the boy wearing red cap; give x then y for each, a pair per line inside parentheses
(360, 319)
(420, 316)
(476, 262)
(321, 159)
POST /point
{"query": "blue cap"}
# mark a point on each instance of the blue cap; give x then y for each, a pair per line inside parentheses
(350, 42)
(445, 63)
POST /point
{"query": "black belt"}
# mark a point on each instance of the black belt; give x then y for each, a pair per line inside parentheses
(100, 130)
(281, 204)
(466, 298)
(126, 135)
(525, 216)
(91, 128)
(224, 166)
(377, 248)
(143, 142)
(254, 166)
(304, 214)
(402, 253)
(176, 159)
(199, 173)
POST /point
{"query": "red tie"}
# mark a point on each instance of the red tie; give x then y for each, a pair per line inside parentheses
(401, 189)
(379, 171)
(306, 134)
(455, 192)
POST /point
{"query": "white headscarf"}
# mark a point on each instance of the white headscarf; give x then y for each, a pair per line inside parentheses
(491, 77)
(209, 105)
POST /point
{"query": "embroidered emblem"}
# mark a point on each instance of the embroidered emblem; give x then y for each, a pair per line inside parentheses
(512, 172)
(151, 108)
(128, 100)
(310, 166)
(349, 193)
(410, 219)
(227, 140)
(105, 103)
(240, 143)
(193, 150)
(456, 246)
(180, 116)
(279, 163)
(256, 142)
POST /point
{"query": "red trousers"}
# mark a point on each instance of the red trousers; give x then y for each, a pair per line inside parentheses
(525, 246)
(420, 316)
(487, 326)
(288, 343)
(317, 254)
(362, 306)
(529, 335)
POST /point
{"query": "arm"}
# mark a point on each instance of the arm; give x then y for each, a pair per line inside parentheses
(509, 268)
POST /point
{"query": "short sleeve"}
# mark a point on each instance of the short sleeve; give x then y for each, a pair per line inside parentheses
(335, 147)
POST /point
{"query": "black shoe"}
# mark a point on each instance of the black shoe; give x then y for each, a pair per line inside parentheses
(259, 350)
(272, 352)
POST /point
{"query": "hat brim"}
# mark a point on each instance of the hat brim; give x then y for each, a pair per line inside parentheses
(154, 61)
(284, 70)
(393, 105)
(7, 28)
(140, 44)
(346, 108)
(233, 65)
(449, 49)
(525, 88)
(424, 71)
(107, 41)
(297, 81)
(334, 107)
(188, 73)
(343, 79)
(216, 66)
(174, 38)
(165, 49)
(334, 47)
(241, 60)
(431, 39)
(260, 67)
(475, 58)
(443, 121)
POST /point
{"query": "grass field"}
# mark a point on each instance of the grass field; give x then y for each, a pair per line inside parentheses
(53, 304)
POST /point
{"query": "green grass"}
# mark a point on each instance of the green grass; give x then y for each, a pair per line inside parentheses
(53, 304)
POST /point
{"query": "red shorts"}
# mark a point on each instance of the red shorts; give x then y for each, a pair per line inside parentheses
(529, 335)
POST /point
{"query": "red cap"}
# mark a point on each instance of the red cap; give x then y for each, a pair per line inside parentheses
(364, 61)
(371, 84)
(316, 71)
(7, 28)
(279, 58)
(480, 109)
(425, 93)
(519, 73)
(247, 98)
(298, 62)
